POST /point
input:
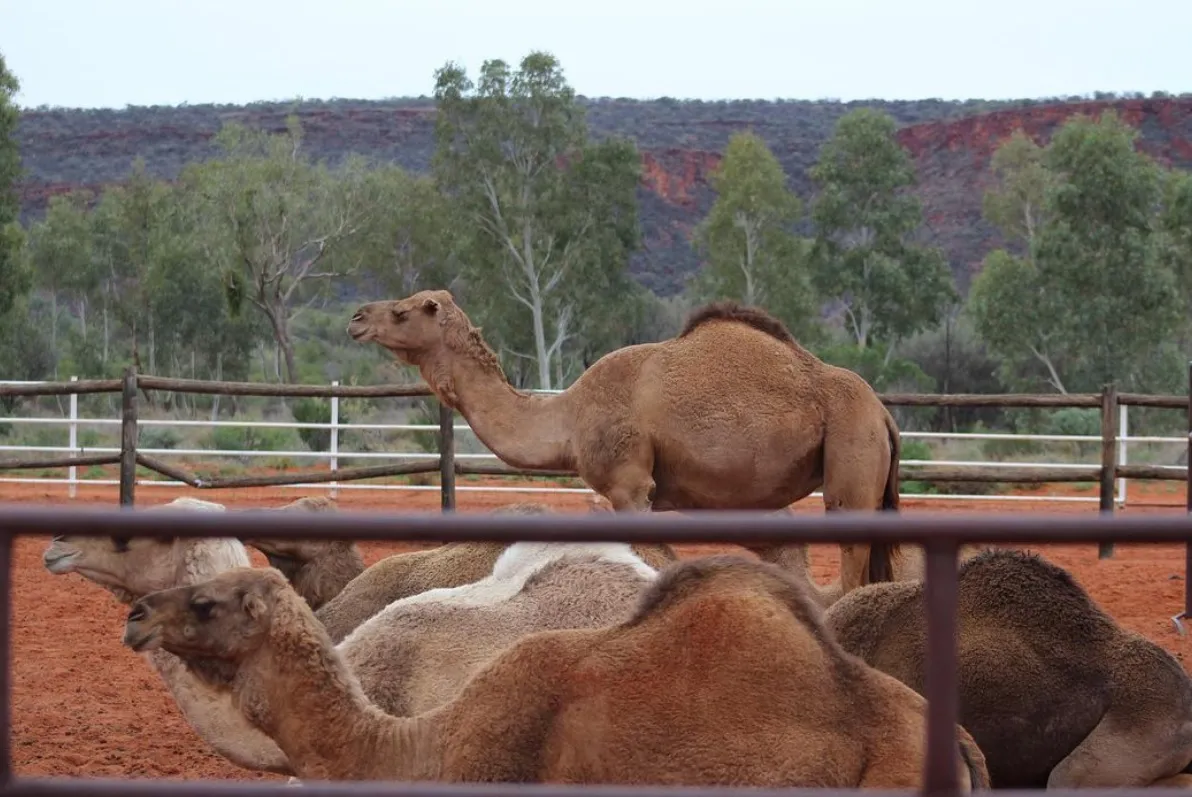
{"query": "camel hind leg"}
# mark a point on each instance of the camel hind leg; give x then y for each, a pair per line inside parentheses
(1119, 753)
(857, 469)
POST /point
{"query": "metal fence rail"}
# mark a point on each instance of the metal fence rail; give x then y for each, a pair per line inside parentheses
(941, 537)
(1112, 472)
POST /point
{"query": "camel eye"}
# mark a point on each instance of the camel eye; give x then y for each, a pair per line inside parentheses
(202, 608)
(120, 544)
(400, 315)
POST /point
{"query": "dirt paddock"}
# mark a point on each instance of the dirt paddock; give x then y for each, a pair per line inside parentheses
(83, 705)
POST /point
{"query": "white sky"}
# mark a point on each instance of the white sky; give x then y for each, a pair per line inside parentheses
(112, 53)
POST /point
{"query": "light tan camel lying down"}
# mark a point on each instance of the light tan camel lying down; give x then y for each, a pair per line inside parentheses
(604, 705)
(412, 656)
(1055, 692)
(405, 574)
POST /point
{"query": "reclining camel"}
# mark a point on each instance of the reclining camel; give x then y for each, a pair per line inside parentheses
(317, 569)
(1053, 690)
(731, 414)
(451, 565)
(131, 567)
(412, 655)
(600, 705)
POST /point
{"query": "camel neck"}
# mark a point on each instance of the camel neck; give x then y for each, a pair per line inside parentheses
(317, 713)
(524, 430)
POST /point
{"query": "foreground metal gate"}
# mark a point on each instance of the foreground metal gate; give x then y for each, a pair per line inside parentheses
(940, 534)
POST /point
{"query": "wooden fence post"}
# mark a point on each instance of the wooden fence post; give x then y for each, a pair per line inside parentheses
(1109, 452)
(128, 438)
(447, 457)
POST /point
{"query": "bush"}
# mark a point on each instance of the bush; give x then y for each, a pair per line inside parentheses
(160, 437)
(239, 438)
(316, 410)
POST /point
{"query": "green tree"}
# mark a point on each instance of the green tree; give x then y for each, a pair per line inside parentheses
(275, 223)
(554, 216)
(865, 218)
(1092, 294)
(15, 279)
(415, 243)
(747, 239)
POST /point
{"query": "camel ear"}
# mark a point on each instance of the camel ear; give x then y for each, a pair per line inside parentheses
(431, 306)
(252, 605)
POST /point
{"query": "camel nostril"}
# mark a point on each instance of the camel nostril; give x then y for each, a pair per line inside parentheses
(137, 614)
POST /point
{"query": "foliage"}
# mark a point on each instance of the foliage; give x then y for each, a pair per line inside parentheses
(1092, 294)
(316, 410)
(748, 241)
(889, 286)
(275, 221)
(553, 217)
(15, 278)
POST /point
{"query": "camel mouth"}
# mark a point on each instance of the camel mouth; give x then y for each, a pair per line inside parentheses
(358, 333)
(140, 639)
(59, 563)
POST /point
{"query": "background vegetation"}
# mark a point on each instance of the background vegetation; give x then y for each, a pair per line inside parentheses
(238, 252)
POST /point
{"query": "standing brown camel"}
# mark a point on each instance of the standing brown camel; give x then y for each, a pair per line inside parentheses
(731, 414)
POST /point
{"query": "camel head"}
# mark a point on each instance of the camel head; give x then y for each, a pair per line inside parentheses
(126, 566)
(288, 555)
(410, 328)
(224, 619)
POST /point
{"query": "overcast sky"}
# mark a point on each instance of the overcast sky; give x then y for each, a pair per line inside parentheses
(112, 53)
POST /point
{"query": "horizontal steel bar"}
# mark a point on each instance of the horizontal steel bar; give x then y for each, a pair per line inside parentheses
(104, 787)
(695, 527)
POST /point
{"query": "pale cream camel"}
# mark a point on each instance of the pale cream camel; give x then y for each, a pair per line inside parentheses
(451, 565)
(731, 414)
(1055, 692)
(609, 705)
(131, 567)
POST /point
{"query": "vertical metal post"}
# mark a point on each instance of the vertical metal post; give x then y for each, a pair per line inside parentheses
(447, 457)
(1109, 447)
(941, 679)
(73, 476)
(128, 438)
(6, 542)
(334, 444)
(1187, 612)
(1123, 448)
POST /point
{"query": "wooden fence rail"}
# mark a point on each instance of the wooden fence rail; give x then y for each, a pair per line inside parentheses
(1108, 402)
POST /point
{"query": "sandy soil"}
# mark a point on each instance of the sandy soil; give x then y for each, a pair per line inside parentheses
(83, 705)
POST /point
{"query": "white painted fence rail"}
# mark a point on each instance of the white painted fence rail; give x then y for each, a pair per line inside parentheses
(334, 453)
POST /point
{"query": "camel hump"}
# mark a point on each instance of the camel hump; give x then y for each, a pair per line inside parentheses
(728, 310)
(1027, 584)
(727, 573)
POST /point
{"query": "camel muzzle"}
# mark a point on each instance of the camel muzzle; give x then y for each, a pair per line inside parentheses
(139, 633)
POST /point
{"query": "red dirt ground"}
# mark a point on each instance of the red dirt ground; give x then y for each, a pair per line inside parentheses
(83, 705)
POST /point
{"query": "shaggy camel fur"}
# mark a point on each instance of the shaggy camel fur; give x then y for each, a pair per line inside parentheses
(1053, 690)
(131, 567)
(318, 569)
(606, 705)
(731, 414)
(451, 565)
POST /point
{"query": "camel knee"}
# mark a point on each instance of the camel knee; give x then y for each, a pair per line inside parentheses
(632, 496)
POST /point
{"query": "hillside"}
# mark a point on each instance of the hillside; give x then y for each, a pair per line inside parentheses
(680, 143)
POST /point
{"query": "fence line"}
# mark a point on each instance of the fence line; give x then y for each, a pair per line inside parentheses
(1113, 472)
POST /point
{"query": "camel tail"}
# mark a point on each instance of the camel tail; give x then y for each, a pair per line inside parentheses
(882, 554)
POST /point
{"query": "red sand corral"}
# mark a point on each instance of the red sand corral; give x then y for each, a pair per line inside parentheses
(83, 705)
